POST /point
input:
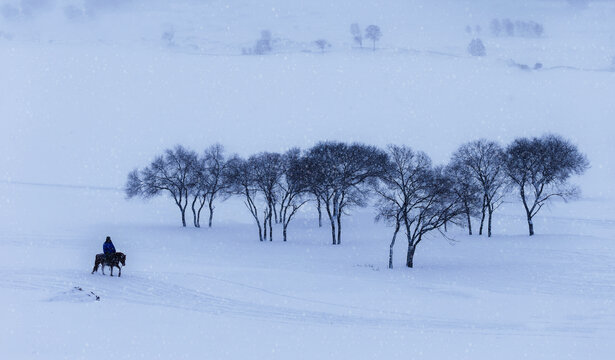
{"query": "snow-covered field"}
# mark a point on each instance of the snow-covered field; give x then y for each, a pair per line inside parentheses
(83, 102)
(219, 293)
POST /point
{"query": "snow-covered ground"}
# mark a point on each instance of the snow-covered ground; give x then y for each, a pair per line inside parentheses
(84, 101)
(219, 293)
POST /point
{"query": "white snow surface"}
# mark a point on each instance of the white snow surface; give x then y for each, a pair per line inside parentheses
(85, 99)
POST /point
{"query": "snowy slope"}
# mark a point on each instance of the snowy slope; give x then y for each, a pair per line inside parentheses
(220, 294)
(85, 99)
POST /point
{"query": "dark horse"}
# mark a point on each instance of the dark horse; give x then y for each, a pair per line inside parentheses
(113, 260)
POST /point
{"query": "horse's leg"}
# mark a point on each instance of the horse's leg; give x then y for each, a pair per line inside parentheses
(102, 266)
(120, 273)
(111, 266)
(95, 269)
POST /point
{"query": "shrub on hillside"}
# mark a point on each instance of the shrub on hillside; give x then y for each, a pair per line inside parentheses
(168, 37)
(262, 45)
(477, 48)
(322, 44)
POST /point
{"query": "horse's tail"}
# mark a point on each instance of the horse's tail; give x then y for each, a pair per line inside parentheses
(96, 263)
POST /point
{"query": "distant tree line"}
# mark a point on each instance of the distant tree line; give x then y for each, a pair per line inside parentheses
(265, 44)
(518, 28)
(408, 192)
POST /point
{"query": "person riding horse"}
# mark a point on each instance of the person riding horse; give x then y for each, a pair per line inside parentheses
(110, 258)
(108, 248)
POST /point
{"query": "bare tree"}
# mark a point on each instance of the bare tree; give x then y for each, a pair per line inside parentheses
(373, 33)
(540, 169)
(198, 191)
(241, 179)
(509, 27)
(357, 36)
(390, 213)
(263, 45)
(217, 182)
(267, 169)
(211, 182)
(340, 175)
(485, 161)
(293, 187)
(168, 37)
(313, 193)
(467, 190)
(171, 173)
(322, 44)
(414, 196)
(399, 189)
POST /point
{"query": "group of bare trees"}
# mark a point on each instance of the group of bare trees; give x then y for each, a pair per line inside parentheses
(415, 196)
(408, 191)
(507, 27)
(186, 177)
(372, 32)
(272, 182)
(536, 169)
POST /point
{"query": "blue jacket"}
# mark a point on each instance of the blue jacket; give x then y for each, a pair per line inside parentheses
(108, 247)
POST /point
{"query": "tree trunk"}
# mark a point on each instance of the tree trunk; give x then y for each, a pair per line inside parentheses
(254, 211)
(265, 224)
(332, 221)
(194, 213)
(528, 211)
(339, 227)
(211, 210)
(284, 226)
(182, 209)
(271, 210)
(482, 219)
(489, 228)
(319, 212)
(333, 230)
(260, 231)
(530, 225)
(410, 256)
(270, 229)
(282, 212)
(469, 221)
(397, 224)
(198, 213)
(275, 213)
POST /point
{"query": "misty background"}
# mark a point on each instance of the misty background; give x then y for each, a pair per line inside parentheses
(85, 83)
